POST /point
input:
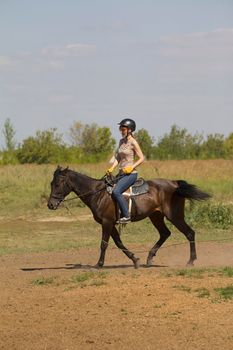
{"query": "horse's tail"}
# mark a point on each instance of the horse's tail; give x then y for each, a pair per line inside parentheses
(190, 192)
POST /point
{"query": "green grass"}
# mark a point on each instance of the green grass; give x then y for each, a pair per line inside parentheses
(202, 292)
(43, 281)
(89, 278)
(182, 288)
(97, 283)
(216, 294)
(225, 293)
(226, 271)
(24, 190)
(82, 277)
(23, 236)
(191, 273)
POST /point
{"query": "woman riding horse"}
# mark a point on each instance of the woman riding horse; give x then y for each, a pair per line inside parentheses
(125, 158)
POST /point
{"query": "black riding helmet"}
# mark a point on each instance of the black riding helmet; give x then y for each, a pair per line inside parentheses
(128, 123)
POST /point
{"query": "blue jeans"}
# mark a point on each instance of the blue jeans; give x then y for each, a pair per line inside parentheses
(122, 184)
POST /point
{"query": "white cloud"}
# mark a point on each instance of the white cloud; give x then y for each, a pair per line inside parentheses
(68, 50)
(51, 57)
(55, 57)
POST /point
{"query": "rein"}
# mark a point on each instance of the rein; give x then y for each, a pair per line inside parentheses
(109, 181)
(84, 194)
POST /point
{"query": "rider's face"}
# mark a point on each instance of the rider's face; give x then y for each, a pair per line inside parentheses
(124, 130)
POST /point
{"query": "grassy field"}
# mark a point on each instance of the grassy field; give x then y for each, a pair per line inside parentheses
(51, 295)
(25, 188)
(27, 224)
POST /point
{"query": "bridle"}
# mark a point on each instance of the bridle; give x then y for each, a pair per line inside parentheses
(108, 181)
(81, 195)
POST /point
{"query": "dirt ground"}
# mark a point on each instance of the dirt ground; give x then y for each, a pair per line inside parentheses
(44, 305)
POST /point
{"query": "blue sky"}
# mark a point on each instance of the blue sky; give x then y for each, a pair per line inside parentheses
(159, 62)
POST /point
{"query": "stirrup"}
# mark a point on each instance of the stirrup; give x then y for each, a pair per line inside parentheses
(124, 220)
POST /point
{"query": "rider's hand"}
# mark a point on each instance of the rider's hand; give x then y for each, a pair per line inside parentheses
(127, 169)
(109, 171)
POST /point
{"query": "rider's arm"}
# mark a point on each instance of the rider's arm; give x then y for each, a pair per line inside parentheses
(139, 153)
(114, 164)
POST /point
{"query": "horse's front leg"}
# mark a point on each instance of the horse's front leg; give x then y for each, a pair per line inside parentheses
(106, 231)
(117, 240)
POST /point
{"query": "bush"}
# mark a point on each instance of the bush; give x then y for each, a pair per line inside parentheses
(217, 215)
(46, 147)
(8, 157)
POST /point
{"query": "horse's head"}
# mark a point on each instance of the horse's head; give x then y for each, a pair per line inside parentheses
(60, 188)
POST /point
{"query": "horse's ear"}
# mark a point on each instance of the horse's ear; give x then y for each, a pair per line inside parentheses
(58, 170)
(65, 170)
(61, 171)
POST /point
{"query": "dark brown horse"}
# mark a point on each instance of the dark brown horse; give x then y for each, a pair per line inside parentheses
(165, 198)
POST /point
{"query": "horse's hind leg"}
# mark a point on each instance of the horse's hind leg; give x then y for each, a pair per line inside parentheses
(157, 220)
(117, 240)
(189, 234)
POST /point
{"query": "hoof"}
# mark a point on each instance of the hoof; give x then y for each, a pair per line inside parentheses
(149, 262)
(190, 264)
(136, 263)
(98, 266)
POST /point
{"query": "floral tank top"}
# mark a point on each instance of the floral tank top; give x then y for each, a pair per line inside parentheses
(125, 153)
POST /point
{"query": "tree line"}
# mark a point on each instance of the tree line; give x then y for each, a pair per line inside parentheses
(92, 143)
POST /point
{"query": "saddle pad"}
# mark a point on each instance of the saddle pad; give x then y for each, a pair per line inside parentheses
(139, 187)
